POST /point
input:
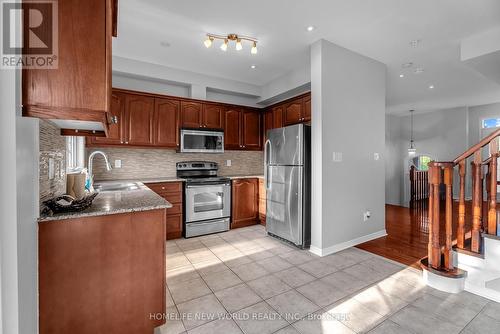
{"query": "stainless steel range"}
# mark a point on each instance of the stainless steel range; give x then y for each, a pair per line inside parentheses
(207, 205)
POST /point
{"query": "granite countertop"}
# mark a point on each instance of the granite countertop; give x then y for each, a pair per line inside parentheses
(236, 177)
(113, 202)
(177, 179)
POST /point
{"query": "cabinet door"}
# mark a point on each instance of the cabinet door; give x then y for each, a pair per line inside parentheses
(307, 108)
(277, 117)
(115, 132)
(191, 114)
(213, 116)
(268, 123)
(251, 130)
(166, 122)
(232, 123)
(139, 120)
(245, 202)
(293, 112)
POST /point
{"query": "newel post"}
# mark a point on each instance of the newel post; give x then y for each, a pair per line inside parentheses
(461, 206)
(477, 195)
(448, 181)
(492, 187)
(434, 249)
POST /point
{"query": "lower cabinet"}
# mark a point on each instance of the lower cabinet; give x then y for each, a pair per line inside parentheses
(102, 274)
(172, 192)
(245, 202)
(262, 202)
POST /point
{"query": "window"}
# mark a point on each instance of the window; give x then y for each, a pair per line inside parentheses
(490, 123)
(421, 162)
(75, 154)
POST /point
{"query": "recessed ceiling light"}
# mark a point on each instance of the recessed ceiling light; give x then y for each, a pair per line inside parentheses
(310, 28)
(401, 75)
(419, 70)
(407, 65)
(165, 44)
(253, 67)
(415, 43)
(431, 87)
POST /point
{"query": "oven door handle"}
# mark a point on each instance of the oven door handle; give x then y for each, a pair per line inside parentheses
(191, 186)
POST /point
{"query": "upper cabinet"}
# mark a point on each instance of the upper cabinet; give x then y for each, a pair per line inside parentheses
(115, 132)
(213, 116)
(243, 129)
(251, 130)
(139, 112)
(166, 122)
(80, 87)
(307, 108)
(197, 115)
(232, 131)
(293, 112)
(191, 114)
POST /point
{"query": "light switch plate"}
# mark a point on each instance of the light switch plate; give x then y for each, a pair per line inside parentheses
(228, 163)
(376, 156)
(118, 164)
(337, 157)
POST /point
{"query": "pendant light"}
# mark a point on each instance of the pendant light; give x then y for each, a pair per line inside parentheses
(411, 150)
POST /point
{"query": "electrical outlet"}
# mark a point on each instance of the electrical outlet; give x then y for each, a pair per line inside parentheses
(52, 171)
(228, 163)
(376, 156)
(366, 215)
(118, 164)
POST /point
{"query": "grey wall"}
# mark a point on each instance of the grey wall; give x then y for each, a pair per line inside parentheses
(348, 92)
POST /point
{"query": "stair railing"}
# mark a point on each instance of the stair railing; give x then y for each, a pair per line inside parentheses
(483, 174)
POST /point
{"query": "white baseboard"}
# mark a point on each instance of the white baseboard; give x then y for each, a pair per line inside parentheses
(348, 244)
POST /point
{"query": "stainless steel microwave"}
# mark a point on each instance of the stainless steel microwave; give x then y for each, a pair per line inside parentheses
(202, 141)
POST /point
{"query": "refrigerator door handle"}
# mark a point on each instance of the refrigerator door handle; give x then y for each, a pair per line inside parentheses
(266, 163)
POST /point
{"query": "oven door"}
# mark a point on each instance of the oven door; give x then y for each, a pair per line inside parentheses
(199, 141)
(205, 202)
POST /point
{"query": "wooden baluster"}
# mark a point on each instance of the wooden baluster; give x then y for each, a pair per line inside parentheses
(434, 244)
(476, 203)
(461, 206)
(448, 181)
(492, 186)
(412, 186)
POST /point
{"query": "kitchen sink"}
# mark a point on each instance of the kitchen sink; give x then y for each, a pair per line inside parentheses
(116, 186)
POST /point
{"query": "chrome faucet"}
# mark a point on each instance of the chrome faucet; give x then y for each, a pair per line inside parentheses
(90, 167)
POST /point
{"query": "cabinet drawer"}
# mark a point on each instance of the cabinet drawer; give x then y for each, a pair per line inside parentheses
(165, 187)
(172, 198)
(175, 210)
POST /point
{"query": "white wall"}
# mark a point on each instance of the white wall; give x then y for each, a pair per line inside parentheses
(287, 86)
(348, 92)
(150, 85)
(442, 134)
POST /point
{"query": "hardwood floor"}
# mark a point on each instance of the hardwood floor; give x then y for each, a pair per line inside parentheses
(408, 233)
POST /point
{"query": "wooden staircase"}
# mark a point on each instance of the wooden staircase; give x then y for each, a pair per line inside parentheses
(482, 212)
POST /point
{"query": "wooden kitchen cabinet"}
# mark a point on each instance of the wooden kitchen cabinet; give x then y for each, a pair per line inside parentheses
(191, 114)
(232, 130)
(273, 119)
(172, 192)
(262, 202)
(103, 274)
(213, 116)
(293, 112)
(80, 87)
(139, 114)
(166, 123)
(245, 206)
(307, 108)
(243, 129)
(251, 130)
(115, 132)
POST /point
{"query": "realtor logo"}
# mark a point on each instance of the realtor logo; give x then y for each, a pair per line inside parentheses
(29, 34)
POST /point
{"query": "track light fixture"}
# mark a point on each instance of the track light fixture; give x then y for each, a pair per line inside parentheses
(231, 37)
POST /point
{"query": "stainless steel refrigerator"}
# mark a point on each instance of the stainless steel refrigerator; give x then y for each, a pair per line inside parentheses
(287, 174)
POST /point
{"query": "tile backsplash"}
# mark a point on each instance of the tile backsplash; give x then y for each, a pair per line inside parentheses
(52, 149)
(152, 163)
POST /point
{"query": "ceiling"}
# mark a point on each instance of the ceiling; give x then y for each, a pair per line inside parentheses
(381, 29)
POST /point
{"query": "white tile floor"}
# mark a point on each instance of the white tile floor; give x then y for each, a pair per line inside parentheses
(244, 281)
